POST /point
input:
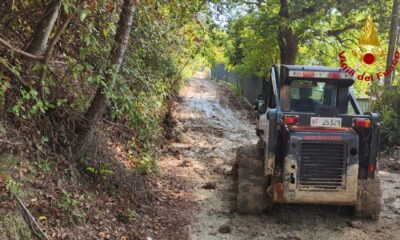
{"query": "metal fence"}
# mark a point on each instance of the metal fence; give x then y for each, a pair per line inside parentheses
(249, 85)
(364, 104)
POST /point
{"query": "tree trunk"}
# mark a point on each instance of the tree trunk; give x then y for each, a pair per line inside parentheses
(38, 44)
(100, 101)
(49, 51)
(287, 41)
(392, 39)
(287, 45)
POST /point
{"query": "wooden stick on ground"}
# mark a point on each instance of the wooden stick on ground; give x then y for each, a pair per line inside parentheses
(31, 220)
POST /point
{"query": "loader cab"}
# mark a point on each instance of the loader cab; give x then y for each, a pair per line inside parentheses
(303, 93)
(304, 89)
(314, 90)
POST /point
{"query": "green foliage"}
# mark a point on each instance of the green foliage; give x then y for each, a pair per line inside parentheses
(13, 187)
(102, 171)
(68, 6)
(159, 55)
(235, 89)
(30, 104)
(146, 163)
(132, 215)
(252, 44)
(166, 37)
(8, 164)
(321, 28)
(390, 131)
(168, 43)
(44, 165)
(162, 49)
(69, 204)
(388, 105)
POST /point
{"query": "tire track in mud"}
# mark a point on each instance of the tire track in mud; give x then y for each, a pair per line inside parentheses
(212, 128)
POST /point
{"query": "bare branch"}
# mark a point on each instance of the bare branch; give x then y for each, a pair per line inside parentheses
(19, 51)
(337, 32)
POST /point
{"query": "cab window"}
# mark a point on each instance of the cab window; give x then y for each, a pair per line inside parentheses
(308, 95)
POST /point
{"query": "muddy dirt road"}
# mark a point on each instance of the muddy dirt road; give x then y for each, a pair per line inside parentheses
(212, 126)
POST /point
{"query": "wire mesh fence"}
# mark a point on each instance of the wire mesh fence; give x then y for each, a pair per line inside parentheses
(248, 85)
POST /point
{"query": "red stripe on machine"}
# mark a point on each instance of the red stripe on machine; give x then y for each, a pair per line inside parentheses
(334, 75)
(309, 74)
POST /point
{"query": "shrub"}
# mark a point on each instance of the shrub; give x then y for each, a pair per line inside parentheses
(390, 130)
(388, 105)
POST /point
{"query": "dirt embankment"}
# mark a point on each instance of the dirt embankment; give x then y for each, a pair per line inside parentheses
(210, 126)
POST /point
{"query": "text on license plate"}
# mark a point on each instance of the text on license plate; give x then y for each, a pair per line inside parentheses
(325, 122)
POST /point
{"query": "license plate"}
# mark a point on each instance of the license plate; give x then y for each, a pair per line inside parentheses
(325, 122)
